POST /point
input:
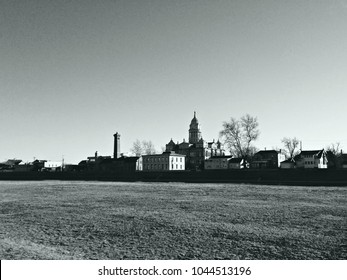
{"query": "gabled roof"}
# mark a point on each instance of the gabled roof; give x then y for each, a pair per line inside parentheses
(11, 162)
(262, 152)
(318, 153)
(310, 152)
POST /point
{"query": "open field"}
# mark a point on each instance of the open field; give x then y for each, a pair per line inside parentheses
(110, 220)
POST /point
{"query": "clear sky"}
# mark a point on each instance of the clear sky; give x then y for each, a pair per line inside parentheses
(72, 73)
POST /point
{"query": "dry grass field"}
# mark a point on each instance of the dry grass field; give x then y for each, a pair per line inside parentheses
(111, 220)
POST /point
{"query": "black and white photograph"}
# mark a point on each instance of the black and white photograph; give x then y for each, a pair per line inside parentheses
(173, 130)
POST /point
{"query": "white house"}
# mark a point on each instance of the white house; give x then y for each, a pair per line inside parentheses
(312, 159)
(167, 161)
(52, 166)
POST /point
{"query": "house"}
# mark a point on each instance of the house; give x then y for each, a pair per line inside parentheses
(238, 163)
(167, 161)
(10, 164)
(288, 164)
(38, 164)
(267, 159)
(311, 159)
(217, 162)
(71, 168)
(52, 166)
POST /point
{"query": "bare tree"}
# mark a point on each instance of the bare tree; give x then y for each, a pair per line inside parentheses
(137, 149)
(238, 135)
(148, 147)
(143, 148)
(333, 154)
(291, 146)
(334, 148)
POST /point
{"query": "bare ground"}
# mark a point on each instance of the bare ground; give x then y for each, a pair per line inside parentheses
(98, 220)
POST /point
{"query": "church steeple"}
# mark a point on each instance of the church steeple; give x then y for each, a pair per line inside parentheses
(194, 130)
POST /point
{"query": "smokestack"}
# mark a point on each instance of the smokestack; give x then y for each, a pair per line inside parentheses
(116, 148)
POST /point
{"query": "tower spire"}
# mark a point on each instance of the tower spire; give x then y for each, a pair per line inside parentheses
(194, 130)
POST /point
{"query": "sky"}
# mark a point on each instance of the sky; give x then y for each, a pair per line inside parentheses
(74, 72)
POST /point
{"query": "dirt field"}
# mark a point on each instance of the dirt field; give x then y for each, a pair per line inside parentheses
(98, 220)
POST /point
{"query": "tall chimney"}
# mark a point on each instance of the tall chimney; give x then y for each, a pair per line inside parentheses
(116, 149)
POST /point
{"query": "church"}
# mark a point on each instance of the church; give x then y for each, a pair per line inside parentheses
(196, 150)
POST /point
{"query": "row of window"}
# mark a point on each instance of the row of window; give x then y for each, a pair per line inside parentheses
(162, 166)
(307, 156)
(164, 159)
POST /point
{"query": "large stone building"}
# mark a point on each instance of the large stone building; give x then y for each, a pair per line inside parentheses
(196, 150)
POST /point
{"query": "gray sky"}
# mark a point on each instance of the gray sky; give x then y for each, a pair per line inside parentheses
(72, 73)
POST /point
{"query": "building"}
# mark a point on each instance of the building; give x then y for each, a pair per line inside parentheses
(217, 162)
(52, 166)
(311, 159)
(92, 163)
(288, 164)
(196, 150)
(121, 165)
(238, 163)
(10, 164)
(38, 164)
(267, 159)
(167, 161)
(116, 164)
(23, 167)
